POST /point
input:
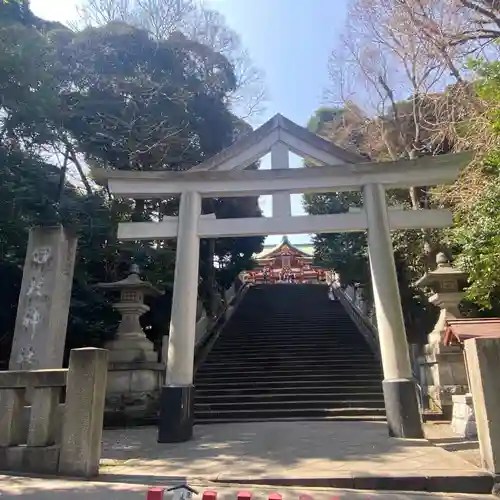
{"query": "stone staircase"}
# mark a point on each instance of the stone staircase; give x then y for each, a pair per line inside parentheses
(289, 353)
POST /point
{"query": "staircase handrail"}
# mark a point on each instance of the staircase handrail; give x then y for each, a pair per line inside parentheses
(358, 308)
(362, 312)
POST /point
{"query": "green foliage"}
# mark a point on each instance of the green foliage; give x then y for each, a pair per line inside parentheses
(487, 87)
(477, 232)
(321, 117)
(15, 11)
(344, 252)
(136, 103)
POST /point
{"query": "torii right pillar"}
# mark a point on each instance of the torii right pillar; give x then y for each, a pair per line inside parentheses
(400, 389)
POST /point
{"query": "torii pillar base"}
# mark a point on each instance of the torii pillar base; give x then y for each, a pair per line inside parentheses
(177, 410)
(402, 410)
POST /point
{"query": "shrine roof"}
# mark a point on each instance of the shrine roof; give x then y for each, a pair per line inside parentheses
(305, 250)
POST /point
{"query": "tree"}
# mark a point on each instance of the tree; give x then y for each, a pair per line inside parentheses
(411, 103)
(15, 11)
(162, 105)
(475, 234)
(162, 18)
(409, 58)
(112, 97)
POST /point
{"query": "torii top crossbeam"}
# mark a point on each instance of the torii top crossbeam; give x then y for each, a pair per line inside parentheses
(223, 175)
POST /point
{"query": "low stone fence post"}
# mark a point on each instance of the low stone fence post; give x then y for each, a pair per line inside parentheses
(483, 361)
(83, 418)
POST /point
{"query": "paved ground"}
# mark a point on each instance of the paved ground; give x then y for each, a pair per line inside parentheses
(16, 488)
(440, 434)
(344, 454)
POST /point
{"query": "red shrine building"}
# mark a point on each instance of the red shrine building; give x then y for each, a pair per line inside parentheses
(285, 263)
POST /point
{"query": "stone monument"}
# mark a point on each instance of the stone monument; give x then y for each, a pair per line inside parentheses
(442, 367)
(134, 373)
(42, 312)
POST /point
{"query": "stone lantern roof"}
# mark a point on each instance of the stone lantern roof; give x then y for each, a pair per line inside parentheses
(132, 281)
(445, 277)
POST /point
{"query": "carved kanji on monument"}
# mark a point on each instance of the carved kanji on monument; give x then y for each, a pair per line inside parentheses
(43, 307)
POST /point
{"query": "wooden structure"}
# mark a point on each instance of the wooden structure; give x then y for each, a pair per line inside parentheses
(285, 263)
(459, 330)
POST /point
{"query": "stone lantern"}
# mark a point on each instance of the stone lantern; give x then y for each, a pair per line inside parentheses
(442, 367)
(134, 374)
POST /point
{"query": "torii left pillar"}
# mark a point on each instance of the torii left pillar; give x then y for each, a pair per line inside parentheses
(177, 395)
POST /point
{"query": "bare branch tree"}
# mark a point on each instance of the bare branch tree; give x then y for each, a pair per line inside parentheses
(405, 71)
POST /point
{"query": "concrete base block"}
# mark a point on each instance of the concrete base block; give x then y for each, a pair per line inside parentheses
(176, 414)
(11, 458)
(42, 460)
(463, 422)
(403, 412)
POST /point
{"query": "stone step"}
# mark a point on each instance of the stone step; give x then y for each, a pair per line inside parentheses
(274, 353)
(327, 324)
(284, 356)
(290, 398)
(286, 348)
(290, 329)
(320, 352)
(288, 336)
(297, 365)
(251, 363)
(303, 321)
(297, 413)
(315, 376)
(307, 379)
(223, 391)
(299, 370)
(331, 376)
(292, 403)
(317, 343)
(291, 384)
(293, 319)
(337, 418)
(289, 339)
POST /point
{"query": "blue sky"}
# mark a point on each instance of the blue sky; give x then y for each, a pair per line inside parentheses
(289, 40)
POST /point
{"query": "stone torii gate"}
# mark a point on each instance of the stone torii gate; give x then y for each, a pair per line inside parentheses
(224, 175)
